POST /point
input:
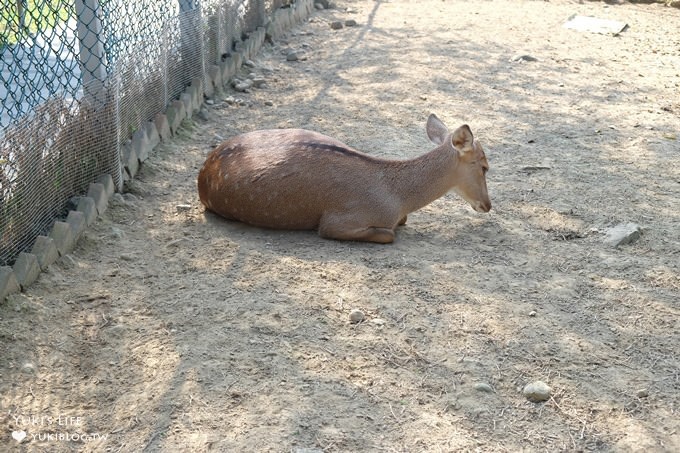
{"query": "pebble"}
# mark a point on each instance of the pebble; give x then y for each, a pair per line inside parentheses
(183, 207)
(350, 23)
(537, 391)
(28, 368)
(378, 321)
(623, 233)
(242, 85)
(117, 197)
(259, 82)
(642, 393)
(249, 63)
(336, 25)
(483, 387)
(293, 56)
(203, 114)
(356, 316)
(532, 313)
(523, 58)
(210, 102)
(269, 103)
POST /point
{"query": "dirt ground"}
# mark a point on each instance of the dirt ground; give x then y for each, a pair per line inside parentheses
(171, 330)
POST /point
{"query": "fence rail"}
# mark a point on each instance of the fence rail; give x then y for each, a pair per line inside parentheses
(77, 78)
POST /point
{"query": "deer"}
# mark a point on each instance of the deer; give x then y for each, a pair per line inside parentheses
(296, 179)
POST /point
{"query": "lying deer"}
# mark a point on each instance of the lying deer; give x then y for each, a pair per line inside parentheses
(303, 180)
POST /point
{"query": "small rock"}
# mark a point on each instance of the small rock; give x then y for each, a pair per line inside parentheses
(336, 25)
(350, 23)
(623, 233)
(378, 321)
(210, 102)
(259, 82)
(183, 207)
(523, 58)
(117, 198)
(319, 6)
(230, 100)
(356, 316)
(28, 368)
(249, 63)
(269, 103)
(242, 85)
(642, 393)
(203, 114)
(532, 313)
(537, 391)
(483, 387)
(293, 56)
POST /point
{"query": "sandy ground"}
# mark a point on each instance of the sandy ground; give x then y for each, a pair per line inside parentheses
(171, 330)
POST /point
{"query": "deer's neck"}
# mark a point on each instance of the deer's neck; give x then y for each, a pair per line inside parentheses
(421, 180)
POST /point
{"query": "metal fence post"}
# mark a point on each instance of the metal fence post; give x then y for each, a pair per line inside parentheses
(92, 56)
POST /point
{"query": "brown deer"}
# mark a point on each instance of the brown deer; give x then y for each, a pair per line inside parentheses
(302, 180)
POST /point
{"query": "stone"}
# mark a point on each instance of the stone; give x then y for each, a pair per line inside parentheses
(63, 237)
(26, 269)
(269, 103)
(130, 160)
(259, 82)
(623, 233)
(336, 25)
(78, 223)
(97, 192)
(188, 104)
(28, 368)
(152, 134)
(87, 206)
(350, 23)
(523, 58)
(176, 114)
(8, 282)
(140, 144)
(537, 391)
(107, 181)
(356, 316)
(483, 387)
(183, 207)
(45, 250)
(242, 85)
(162, 126)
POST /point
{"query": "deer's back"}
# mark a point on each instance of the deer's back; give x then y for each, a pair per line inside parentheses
(287, 178)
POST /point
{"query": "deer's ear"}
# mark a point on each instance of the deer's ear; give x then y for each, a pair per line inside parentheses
(462, 138)
(436, 130)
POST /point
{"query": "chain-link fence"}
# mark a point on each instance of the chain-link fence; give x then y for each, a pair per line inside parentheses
(78, 77)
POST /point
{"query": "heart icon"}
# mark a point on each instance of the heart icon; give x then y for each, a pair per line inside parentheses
(19, 435)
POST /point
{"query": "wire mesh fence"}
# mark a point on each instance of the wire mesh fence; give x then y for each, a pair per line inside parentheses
(78, 77)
